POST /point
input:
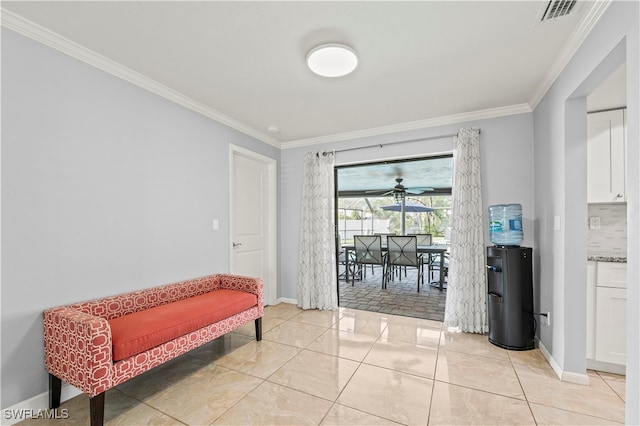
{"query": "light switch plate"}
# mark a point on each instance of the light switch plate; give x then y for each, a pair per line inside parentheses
(556, 223)
(215, 225)
(594, 222)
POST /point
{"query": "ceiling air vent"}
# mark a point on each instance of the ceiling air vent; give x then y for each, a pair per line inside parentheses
(557, 8)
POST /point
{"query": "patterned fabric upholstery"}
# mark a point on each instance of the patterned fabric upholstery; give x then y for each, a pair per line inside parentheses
(77, 338)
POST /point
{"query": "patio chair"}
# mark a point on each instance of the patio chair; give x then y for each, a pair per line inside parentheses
(402, 250)
(383, 236)
(425, 240)
(368, 249)
(341, 255)
(435, 266)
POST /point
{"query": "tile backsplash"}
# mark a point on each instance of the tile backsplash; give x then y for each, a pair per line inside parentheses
(611, 238)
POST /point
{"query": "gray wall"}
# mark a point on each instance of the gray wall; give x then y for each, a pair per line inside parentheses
(560, 190)
(106, 188)
(506, 148)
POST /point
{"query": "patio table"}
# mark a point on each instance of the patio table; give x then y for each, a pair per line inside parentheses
(432, 249)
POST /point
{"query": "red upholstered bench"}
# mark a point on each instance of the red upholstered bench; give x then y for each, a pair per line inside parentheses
(99, 344)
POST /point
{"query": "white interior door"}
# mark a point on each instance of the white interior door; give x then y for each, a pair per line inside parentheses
(252, 218)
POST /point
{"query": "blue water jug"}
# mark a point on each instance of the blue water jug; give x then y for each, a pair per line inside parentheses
(505, 224)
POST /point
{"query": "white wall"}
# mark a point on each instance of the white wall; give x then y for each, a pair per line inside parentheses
(106, 188)
(611, 238)
(506, 149)
(560, 190)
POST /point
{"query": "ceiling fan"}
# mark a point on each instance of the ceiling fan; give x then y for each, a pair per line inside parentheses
(400, 191)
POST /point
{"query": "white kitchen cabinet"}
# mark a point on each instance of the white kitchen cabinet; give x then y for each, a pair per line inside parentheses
(611, 274)
(606, 153)
(591, 310)
(611, 319)
(606, 316)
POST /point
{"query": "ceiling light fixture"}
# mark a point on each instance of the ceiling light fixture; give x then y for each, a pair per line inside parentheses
(332, 60)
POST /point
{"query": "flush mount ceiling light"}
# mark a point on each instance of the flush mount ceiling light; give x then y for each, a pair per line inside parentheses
(332, 60)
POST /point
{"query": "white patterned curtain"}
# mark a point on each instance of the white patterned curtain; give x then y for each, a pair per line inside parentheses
(466, 307)
(317, 278)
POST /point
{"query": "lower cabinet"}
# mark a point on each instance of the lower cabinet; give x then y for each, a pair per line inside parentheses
(606, 316)
(591, 310)
(611, 319)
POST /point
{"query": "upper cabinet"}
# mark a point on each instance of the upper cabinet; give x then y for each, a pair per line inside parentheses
(606, 152)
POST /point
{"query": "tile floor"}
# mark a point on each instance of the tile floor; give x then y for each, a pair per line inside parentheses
(352, 367)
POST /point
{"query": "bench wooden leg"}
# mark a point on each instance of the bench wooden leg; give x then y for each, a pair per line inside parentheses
(96, 410)
(55, 389)
(259, 329)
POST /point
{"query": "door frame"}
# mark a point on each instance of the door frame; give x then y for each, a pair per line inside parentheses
(270, 289)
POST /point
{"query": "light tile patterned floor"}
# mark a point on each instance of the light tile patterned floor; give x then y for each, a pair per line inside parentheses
(351, 367)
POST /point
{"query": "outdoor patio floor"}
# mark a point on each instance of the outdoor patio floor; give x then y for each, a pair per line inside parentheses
(399, 298)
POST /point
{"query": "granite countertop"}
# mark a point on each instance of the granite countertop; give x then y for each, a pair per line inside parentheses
(618, 259)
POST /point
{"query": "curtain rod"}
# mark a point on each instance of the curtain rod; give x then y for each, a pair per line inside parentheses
(397, 142)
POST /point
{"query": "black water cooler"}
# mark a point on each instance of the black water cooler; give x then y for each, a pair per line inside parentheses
(510, 299)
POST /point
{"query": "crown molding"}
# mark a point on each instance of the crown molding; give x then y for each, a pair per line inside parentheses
(49, 38)
(591, 17)
(413, 125)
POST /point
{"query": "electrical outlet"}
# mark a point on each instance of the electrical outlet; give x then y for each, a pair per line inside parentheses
(594, 222)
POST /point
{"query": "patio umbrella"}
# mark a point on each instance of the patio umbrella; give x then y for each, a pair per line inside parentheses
(407, 207)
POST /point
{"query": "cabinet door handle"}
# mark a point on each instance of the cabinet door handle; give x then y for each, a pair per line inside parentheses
(237, 244)
(619, 196)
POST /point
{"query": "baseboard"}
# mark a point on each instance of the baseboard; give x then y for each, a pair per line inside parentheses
(286, 300)
(565, 376)
(550, 359)
(578, 378)
(38, 407)
(606, 367)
